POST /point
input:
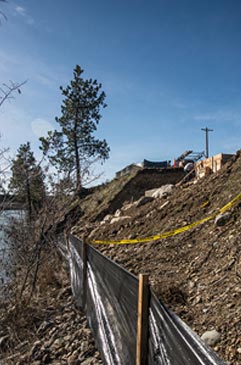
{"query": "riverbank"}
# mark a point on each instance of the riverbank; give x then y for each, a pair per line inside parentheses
(48, 329)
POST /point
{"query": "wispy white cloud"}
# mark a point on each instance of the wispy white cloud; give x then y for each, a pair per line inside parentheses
(45, 79)
(206, 117)
(219, 116)
(20, 10)
(23, 12)
(12, 64)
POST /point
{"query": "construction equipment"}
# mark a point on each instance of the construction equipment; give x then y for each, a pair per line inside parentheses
(189, 156)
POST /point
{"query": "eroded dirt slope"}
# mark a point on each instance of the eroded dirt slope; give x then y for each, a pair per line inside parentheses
(196, 273)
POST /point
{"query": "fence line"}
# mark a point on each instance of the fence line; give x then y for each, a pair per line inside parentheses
(109, 295)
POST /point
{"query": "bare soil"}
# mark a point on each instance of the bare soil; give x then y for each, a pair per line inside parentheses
(196, 273)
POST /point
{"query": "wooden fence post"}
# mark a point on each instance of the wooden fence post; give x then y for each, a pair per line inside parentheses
(142, 321)
(84, 279)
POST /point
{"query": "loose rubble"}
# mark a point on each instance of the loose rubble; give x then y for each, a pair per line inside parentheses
(211, 337)
(197, 273)
(62, 337)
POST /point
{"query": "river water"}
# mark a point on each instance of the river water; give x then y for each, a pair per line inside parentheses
(6, 217)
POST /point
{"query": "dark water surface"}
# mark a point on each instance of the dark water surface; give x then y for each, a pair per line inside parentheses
(6, 217)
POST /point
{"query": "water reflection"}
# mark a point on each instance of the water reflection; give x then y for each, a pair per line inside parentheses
(7, 217)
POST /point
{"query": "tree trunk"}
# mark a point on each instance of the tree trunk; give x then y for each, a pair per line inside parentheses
(77, 160)
(29, 202)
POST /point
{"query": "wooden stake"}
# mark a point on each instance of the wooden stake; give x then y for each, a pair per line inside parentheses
(142, 321)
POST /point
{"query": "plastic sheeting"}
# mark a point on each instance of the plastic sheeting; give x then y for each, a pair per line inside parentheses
(112, 308)
(76, 270)
(111, 295)
(61, 246)
(172, 342)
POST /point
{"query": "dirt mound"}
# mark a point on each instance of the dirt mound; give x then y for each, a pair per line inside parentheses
(196, 273)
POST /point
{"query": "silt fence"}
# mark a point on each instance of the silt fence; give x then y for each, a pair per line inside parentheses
(110, 296)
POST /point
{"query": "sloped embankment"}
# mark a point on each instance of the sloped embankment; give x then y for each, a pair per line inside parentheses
(109, 197)
(196, 273)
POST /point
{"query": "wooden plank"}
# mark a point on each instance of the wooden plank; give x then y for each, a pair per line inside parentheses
(142, 320)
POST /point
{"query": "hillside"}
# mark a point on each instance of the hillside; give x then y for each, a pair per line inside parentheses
(196, 273)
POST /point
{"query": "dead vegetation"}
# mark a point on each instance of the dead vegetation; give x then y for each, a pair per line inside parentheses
(39, 277)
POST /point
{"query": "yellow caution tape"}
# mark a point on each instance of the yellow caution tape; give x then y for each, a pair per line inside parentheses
(230, 204)
(170, 233)
(205, 204)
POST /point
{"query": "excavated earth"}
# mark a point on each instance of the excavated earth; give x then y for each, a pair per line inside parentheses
(196, 273)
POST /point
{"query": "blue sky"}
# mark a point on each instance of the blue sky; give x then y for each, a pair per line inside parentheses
(168, 67)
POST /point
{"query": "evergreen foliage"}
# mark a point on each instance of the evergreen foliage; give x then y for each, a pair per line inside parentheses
(73, 148)
(27, 180)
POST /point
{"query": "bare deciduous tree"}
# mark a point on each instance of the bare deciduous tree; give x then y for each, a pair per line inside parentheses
(7, 90)
(2, 14)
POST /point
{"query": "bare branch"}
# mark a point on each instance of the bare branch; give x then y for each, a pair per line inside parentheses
(7, 90)
(2, 13)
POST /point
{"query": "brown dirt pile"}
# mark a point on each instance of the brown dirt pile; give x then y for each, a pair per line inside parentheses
(196, 273)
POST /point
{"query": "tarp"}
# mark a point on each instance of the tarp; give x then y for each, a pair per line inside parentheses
(154, 164)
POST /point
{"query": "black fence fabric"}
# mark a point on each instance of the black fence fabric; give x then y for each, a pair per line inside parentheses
(111, 307)
(172, 342)
(61, 246)
(112, 295)
(76, 270)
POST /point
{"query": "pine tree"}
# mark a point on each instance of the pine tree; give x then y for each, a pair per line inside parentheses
(27, 180)
(72, 148)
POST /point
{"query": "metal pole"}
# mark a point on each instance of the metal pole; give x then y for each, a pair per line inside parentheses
(206, 130)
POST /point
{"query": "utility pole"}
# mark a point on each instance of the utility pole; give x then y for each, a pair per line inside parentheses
(206, 130)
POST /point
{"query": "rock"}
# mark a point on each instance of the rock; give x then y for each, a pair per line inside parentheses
(44, 326)
(92, 233)
(128, 206)
(222, 219)
(211, 337)
(107, 218)
(3, 340)
(88, 361)
(119, 219)
(72, 360)
(163, 205)
(144, 200)
(57, 344)
(67, 338)
(117, 213)
(46, 359)
(161, 192)
(36, 346)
